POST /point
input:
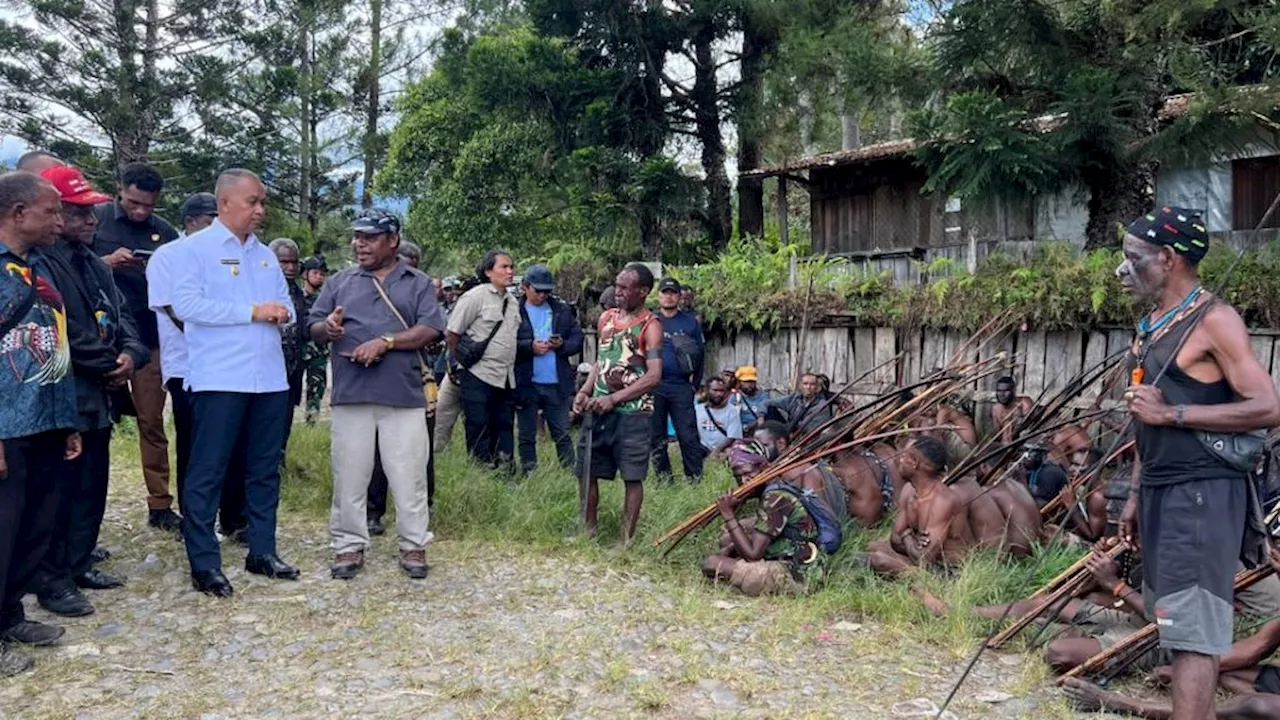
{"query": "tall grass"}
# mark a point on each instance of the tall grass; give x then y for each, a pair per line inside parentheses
(539, 513)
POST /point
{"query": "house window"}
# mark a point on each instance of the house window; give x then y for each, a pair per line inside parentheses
(1254, 185)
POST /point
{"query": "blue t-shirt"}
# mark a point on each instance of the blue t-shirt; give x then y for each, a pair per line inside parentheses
(544, 366)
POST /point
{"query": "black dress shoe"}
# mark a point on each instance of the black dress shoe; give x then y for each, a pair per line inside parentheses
(212, 582)
(165, 519)
(67, 602)
(376, 527)
(99, 554)
(240, 537)
(30, 632)
(271, 566)
(95, 579)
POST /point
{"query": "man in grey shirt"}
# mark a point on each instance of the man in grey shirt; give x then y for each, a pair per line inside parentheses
(487, 317)
(377, 396)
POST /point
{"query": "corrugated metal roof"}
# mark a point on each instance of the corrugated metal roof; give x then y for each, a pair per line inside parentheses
(1174, 107)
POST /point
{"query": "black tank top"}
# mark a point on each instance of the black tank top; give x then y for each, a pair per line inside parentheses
(1173, 455)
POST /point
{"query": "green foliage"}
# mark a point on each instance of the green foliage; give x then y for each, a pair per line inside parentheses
(1057, 289)
(515, 141)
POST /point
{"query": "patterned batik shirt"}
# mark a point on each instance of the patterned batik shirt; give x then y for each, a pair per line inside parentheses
(621, 359)
(794, 535)
(37, 390)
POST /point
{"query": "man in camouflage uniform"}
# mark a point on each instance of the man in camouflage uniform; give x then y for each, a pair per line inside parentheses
(315, 359)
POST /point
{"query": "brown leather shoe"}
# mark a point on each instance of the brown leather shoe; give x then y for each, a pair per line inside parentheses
(347, 565)
(414, 563)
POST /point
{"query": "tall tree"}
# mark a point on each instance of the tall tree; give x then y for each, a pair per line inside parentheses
(1048, 96)
(78, 71)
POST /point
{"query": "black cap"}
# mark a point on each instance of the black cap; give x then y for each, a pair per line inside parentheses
(376, 221)
(669, 284)
(200, 204)
(539, 277)
(314, 263)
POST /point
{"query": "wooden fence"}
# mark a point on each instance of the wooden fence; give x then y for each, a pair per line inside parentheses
(1040, 362)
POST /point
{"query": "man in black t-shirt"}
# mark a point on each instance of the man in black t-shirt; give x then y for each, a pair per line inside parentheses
(1045, 478)
(128, 233)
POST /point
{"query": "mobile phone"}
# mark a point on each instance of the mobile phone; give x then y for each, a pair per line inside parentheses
(143, 253)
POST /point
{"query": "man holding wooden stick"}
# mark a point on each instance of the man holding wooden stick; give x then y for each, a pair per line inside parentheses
(1189, 503)
(619, 394)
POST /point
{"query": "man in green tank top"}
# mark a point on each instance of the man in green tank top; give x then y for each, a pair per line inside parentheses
(619, 393)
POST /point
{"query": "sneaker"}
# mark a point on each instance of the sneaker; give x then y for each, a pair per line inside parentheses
(165, 519)
(30, 632)
(376, 528)
(347, 565)
(13, 662)
(414, 563)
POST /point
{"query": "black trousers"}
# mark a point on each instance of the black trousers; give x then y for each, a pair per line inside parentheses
(29, 496)
(181, 400)
(231, 515)
(376, 505)
(676, 401)
(488, 419)
(83, 502)
(555, 410)
(225, 422)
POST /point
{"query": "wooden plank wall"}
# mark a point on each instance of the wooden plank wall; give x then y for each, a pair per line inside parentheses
(1040, 362)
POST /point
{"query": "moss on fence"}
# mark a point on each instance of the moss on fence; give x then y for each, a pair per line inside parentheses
(747, 289)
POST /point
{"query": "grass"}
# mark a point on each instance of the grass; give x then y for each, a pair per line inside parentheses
(474, 505)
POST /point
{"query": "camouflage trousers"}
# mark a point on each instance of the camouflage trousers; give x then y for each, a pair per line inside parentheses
(316, 362)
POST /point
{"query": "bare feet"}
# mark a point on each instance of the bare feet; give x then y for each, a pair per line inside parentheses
(932, 603)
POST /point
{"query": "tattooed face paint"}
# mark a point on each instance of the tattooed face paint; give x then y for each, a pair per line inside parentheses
(1142, 273)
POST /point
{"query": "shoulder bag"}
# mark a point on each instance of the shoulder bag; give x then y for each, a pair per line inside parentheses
(429, 388)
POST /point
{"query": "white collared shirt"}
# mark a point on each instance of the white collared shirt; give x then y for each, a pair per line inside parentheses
(216, 282)
(173, 344)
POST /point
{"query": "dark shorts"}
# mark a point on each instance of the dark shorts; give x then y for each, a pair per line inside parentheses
(1268, 680)
(1191, 534)
(620, 446)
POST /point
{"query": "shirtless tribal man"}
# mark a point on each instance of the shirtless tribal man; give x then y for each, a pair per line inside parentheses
(932, 525)
(1181, 488)
(1010, 408)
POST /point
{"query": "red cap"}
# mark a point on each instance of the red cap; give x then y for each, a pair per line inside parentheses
(72, 187)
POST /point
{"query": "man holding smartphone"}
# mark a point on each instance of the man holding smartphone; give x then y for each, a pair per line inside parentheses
(549, 335)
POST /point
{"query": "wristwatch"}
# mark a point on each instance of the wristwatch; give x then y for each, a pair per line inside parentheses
(390, 340)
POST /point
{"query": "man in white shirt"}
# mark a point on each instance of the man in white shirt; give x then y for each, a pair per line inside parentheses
(198, 212)
(719, 423)
(231, 297)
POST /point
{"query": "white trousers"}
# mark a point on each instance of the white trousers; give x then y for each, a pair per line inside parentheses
(401, 434)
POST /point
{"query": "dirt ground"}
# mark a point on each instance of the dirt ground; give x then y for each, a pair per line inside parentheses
(496, 631)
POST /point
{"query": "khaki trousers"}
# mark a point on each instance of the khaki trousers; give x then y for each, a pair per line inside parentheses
(448, 410)
(403, 446)
(147, 391)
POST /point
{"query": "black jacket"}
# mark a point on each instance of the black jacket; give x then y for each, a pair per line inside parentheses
(564, 322)
(293, 338)
(99, 326)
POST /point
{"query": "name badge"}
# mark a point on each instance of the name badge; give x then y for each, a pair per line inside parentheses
(233, 263)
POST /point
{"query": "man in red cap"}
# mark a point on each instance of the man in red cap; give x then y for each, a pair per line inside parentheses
(105, 350)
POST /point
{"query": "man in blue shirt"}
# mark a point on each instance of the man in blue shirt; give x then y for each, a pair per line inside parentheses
(38, 412)
(231, 297)
(549, 335)
(683, 351)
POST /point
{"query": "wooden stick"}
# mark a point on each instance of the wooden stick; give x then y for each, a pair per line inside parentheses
(1052, 507)
(1116, 658)
(1066, 588)
(772, 473)
(804, 332)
